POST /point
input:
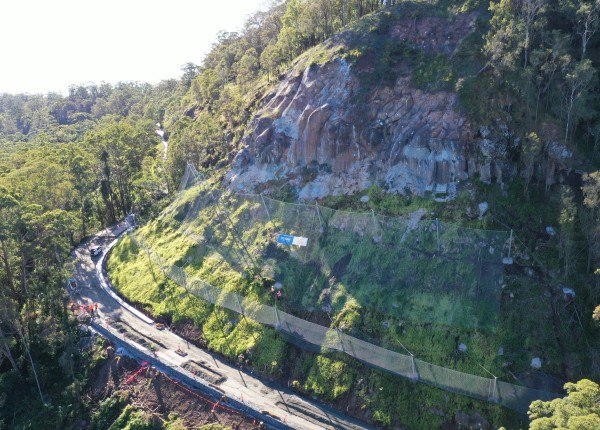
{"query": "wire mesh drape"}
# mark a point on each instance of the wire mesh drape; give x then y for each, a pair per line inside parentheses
(319, 338)
(394, 265)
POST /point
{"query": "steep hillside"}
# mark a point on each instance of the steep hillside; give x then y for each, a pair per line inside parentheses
(404, 101)
(349, 114)
(378, 104)
(435, 289)
(366, 105)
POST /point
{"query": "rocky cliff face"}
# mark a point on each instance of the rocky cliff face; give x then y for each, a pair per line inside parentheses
(326, 134)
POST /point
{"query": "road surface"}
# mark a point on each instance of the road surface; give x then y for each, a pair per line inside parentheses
(292, 409)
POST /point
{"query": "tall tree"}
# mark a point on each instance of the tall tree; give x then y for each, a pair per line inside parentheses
(586, 18)
(532, 147)
(81, 166)
(503, 41)
(247, 68)
(529, 11)
(567, 222)
(578, 77)
(8, 293)
(121, 146)
(591, 200)
(190, 71)
(579, 410)
(545, 64)
(8, 208)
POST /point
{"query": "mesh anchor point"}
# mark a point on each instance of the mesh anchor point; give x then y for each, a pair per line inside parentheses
(414, 376)
(493, 397)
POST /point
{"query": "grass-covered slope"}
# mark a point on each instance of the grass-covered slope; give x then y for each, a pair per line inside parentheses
(232, 246)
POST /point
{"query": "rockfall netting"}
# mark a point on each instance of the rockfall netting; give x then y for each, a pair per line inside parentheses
(413, 268)
(316, 337)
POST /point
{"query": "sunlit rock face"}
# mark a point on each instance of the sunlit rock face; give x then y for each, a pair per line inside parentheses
(325, 134)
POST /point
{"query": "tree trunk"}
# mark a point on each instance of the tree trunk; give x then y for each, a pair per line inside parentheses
(526, 50)
(9, 276)
(35, 375)
(570, 103)
(24, 291)
(83, 223)
(591, 242)
(5, 349)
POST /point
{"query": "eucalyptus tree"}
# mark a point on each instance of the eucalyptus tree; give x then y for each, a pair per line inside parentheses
(8, 292)
(514, 26)
(80, 163)
(591, 200)
(531, 150)
(578, 410)
(190, 71)
(544, 67)
(578, 77)
(568, 224)
(529, 11)
(247, 67)
(120, 146)
(35, 244)
(585, 17)
(200, 141)
(8, 210)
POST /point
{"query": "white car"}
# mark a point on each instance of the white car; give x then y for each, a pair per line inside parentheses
(95, 251)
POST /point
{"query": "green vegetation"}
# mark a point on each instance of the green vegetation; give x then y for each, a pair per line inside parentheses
(217, 259)
(74, 164)
(329, 379)
(69, 166)
(578, 410)
(132, 419)
(108, 412)
(211, 252)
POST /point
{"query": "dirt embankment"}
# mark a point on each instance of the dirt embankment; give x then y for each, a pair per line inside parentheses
(156, 394)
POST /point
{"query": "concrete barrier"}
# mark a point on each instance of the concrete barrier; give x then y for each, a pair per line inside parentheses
(178, 373)
(102, 278)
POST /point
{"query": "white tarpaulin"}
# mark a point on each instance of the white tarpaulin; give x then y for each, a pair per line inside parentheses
(300, 241)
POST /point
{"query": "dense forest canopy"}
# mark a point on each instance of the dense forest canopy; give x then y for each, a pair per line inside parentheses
(72, 164)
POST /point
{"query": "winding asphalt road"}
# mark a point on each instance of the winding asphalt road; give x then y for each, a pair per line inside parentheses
(289, 408)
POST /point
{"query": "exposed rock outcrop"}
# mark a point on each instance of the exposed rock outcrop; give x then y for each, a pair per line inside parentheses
(328, 135)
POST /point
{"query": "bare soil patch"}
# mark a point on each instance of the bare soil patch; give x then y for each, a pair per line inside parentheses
(189, 331)
(155, 393)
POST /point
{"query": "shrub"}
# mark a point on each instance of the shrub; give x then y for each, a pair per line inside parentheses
(108, 411)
